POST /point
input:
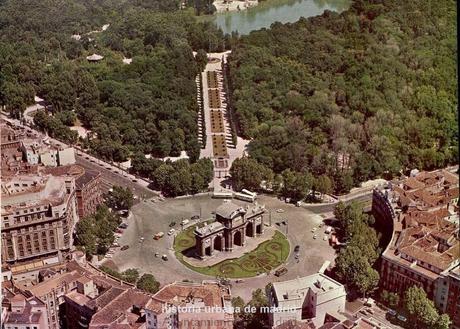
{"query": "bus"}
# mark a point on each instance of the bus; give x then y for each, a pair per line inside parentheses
(249, 193)
(244, 197)
(222, 195)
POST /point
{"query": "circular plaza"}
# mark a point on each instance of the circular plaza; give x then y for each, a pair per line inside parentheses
(285, 227)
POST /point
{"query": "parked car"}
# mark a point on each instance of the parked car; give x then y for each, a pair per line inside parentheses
(184, 222)
(296, 248)
(401, 318)
(123, 225)
(119, 230)
(392, 312)
(171, 231)
(157, 254)
(164, 257)
(125, 247)
(281, 271)
(158, 236)
(195, 217)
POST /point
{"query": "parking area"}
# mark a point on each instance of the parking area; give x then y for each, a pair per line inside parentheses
(153, 216)
(380, 316)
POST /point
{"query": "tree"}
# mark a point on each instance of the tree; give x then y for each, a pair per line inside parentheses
(323, 184)
(420, 307)
(201, 58)
(248, 173)
(390, 298)
(120, 198)
(257, 319)
(85, 233)
(148, 283)
(443, 322)
(131, 275)
(353, 268)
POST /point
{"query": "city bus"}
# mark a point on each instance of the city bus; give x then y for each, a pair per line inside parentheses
(244, 197)
(249, 193)
(222, 195)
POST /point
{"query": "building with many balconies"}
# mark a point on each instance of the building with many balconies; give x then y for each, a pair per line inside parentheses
(421, 214)
(38, 214)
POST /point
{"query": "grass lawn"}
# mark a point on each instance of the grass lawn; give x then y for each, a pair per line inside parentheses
(267, 256)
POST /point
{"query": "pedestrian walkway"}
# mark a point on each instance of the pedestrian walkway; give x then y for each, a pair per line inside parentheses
(219, 144)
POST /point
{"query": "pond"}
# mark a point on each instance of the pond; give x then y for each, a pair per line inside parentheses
(270, 11)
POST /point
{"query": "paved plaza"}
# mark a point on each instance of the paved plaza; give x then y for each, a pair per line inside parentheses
(150, 218)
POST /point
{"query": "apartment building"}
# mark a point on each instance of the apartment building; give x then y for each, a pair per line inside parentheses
(424, 248)
(38, 214)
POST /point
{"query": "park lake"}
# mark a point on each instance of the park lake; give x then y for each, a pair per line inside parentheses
(271, 11)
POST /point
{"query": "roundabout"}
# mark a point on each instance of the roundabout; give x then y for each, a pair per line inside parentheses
(149, 218)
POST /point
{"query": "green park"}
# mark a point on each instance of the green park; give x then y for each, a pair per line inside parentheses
(265, 258)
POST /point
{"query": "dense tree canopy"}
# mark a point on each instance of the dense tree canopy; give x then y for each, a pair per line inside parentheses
(95, 233)
(354, 263)
(148, 106)
(352, 96)
(422, 311)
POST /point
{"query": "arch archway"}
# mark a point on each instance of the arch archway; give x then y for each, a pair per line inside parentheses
(218, 243)
(250, 229)
(237, 239)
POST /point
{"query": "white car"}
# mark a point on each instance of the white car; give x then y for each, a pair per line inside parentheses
(108, 256)
(279, 211)
(313, 230)
(325, 238)
(171, 231)
(315, 236)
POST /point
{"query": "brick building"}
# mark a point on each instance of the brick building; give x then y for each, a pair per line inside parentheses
(424, 246)
(233, 225)
(89, 192)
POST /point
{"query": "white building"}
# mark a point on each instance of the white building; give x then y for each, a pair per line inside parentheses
(308, 298)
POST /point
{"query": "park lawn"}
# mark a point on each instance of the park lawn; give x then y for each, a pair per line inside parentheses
(266, 257)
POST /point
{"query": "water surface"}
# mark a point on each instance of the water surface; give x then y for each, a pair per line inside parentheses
(270, 11)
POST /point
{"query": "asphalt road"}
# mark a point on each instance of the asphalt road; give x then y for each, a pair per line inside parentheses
(325, 208)
(112, 177)
(149, 217)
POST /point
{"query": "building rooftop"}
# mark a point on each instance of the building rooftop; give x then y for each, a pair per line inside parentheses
(291, 294)
(425, 235)
(45, 287)
(77, 298)
(229, 210)
(121, 308)
(25, 310)
(24, 191)
(193, 295)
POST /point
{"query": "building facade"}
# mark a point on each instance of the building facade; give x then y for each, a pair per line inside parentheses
(233, 225)
(38, 217)
(308, 299)
(88, 192)
(423, 245)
